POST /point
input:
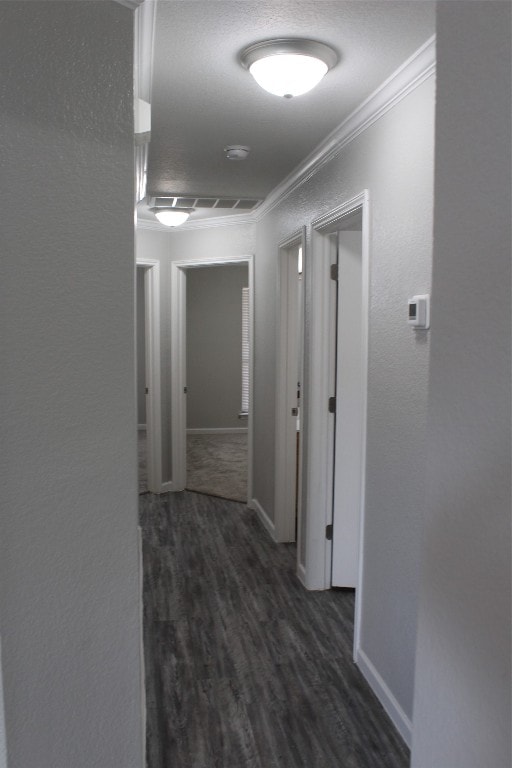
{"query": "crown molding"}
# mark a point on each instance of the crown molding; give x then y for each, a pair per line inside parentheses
(219, 221)
(414, 71)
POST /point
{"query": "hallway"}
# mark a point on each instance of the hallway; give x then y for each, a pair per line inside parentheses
(245, 668)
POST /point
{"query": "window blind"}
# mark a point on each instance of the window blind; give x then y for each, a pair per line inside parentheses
(245, 350)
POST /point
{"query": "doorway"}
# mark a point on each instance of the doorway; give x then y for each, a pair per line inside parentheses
(338, 293)
(147, 285)
(349, 388)
(179, 370)
(289, 402)
(142, 388)
(217, 372)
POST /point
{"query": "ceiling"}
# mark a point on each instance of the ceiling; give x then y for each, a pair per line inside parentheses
(202, 99)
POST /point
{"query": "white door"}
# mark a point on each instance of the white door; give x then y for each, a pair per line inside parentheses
(349, 410)
(287, 499)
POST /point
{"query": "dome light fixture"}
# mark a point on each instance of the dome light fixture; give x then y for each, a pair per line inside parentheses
(288, 67)
(236, 152)
(172, 217)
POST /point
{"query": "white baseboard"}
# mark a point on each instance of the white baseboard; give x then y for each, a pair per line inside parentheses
(141, 634)
(386, 698)
(169, 486)
(217, 431)
(263, 518)
(141, 426)
(301, 574)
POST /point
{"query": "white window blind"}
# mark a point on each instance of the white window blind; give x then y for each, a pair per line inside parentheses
(245, 350)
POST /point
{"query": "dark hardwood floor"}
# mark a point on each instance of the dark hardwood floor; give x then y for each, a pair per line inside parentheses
(244, 667)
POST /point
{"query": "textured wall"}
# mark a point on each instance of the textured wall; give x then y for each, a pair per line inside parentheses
(69, 581)
(3, 745)
(394, 161)
(185, 245)
(214, 346)
(462, 709)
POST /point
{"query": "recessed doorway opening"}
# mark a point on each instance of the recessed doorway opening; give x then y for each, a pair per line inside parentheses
(338, 360)
(147, 291)
(205, 406)
(289, 398)
(217, 380)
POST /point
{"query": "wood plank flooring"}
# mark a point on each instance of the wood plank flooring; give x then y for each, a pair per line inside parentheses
(244, 667)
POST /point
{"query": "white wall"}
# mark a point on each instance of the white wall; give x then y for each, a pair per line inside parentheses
(214, 346)
(69, 581)
(185, 245)
(393, 160)
(462, 711)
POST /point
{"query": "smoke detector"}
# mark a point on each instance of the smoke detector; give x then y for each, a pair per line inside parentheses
(236, 152)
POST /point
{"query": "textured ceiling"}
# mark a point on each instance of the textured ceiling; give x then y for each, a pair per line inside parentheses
(203, 100)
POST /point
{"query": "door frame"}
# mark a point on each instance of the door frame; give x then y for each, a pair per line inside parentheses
(153, 380)
(179, 365)
(286, 380)
(320, 448)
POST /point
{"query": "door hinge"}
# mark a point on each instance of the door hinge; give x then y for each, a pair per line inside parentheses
(328, 532)
(334, 271)
(295, 411)
(332, 405)
(147, 390)
(185, 390)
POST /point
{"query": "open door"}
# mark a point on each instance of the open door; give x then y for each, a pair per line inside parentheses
(350, 388)
(289, 410)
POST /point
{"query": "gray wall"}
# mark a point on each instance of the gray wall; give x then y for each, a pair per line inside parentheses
(141, 347)
(192, 245)
(214, 346)
(394, 161)
(462, 712)
(69, 580)
(3, 745)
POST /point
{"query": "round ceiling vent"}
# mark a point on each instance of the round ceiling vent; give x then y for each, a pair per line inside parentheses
(236, 152)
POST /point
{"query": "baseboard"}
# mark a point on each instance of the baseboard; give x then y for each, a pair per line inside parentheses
(141, 634)
(141, 426)
(169, 487)
(301, 574)
(263, 518)
(217, 431)
(386, 698)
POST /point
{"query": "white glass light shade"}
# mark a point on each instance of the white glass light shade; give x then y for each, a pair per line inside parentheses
(172, 217)
(288, 74)
(288, 66)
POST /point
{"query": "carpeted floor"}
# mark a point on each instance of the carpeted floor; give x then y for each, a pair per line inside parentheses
(216, 465)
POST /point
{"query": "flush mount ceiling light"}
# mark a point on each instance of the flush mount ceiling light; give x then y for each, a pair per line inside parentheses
(172, 217)
(288, 66)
